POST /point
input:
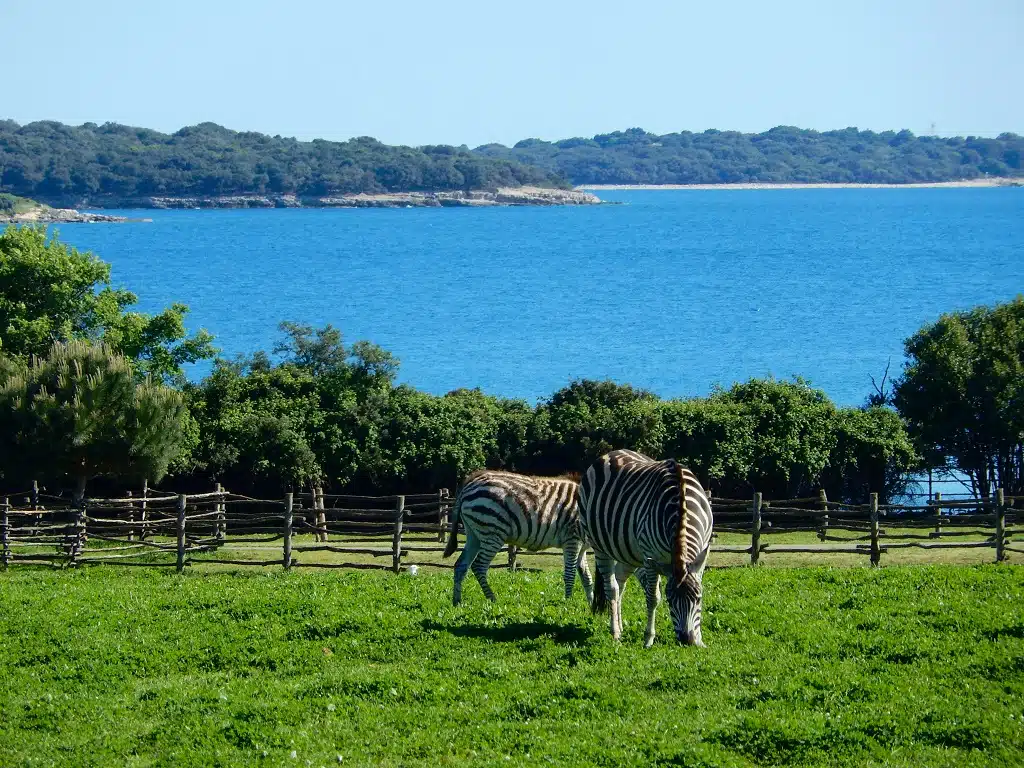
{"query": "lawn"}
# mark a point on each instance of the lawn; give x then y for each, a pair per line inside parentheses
(914, 665)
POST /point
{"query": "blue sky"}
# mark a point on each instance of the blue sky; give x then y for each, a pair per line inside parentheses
(462, 72)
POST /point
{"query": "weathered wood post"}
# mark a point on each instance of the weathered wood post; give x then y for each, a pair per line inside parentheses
(396, 545)
(1000, 525)
(182, 506)
(222, 526)
(755, 536)
(320, 516)
(142, 510)
(513, 552)
(5, 533)
(35, 495)
(131, 516)
(442, 514)
(75, 537)
(288, 519)
(876, 553)
(823, 501)
(938, 515)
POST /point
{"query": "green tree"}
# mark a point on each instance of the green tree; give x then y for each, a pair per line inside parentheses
(790, 428)
(51, 292)
(81, 413)
(589, 418)
(962, 394)
(313, 416)
(873, 454)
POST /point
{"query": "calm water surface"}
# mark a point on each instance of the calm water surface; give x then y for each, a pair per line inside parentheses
(674, 291)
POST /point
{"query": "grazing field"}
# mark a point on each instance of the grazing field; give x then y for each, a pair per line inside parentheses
(919, 666)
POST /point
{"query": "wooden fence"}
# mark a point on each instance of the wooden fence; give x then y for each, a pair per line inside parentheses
(174, 530)
(871, 529)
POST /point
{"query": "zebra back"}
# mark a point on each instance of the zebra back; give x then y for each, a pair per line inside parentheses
(635, 509)
(529, 510)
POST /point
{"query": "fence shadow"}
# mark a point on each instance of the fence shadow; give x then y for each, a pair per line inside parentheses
(518, 631)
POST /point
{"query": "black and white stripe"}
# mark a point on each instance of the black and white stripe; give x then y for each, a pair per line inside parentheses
(630, 507)
(533, 513)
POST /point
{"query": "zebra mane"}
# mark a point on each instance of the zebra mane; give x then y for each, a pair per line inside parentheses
(679, 548)
(574, 476)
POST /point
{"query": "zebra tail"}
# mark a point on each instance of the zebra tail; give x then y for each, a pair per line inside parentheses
(453, 529)
(600, 602)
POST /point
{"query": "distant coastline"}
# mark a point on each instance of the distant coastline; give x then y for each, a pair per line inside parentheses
(966, 183)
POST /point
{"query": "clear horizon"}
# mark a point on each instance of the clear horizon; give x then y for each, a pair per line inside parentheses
(466, 74)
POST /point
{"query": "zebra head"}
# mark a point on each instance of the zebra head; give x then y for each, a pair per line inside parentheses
(684, 602)
(685, 586)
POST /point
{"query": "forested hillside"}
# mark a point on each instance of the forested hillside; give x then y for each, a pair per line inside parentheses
(62, 164)
(110, 163)
(783, 154)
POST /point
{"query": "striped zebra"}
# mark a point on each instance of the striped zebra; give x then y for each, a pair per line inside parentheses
(630, 506)
(534, 513)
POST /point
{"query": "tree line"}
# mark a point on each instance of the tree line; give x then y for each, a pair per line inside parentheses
(782, 154)
(92, 392)
(112, 164)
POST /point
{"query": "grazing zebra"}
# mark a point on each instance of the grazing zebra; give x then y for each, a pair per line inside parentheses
(632, 516)
(498, 508)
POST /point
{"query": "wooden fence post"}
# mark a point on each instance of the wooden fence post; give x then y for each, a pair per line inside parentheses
(513, 551)
(35, 502)
(938, 516)
(222, 526)
(876, 554)
(396, 546)
(320, 515)
(442, 514)
(1000, 525)
(182, 505)
(131, 516)
(75, 538)
(823, 500)
(755, 536)
(5, 533)
(142, 510)
(288, 518)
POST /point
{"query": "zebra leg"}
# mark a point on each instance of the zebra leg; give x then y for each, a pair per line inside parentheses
(483, 561)
(606, 571)
(622, 574)
(469, 554)
(652, 588)
(570, 560)
(585, 578)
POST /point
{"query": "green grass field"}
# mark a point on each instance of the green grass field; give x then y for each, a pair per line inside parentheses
(106, 666)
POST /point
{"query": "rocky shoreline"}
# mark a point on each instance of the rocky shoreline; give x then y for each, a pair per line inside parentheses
(454, 199)
(507, 196)
(45, 215)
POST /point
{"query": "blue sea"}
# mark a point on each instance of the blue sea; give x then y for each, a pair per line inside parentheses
(671, 291)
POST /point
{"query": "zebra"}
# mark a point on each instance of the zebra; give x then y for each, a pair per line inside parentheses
(498, 508)
(632, 517)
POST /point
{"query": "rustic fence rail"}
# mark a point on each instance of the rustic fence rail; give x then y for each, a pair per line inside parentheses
(176, 530)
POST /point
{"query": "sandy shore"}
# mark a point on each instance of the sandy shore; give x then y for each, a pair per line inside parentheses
(968, 183)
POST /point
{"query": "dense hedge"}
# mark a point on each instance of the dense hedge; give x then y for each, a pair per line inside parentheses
(264, 426)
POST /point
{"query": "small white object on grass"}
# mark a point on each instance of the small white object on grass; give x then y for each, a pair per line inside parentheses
(413, 569)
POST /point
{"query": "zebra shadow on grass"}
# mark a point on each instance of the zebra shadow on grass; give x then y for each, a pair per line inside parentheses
(514, 632)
